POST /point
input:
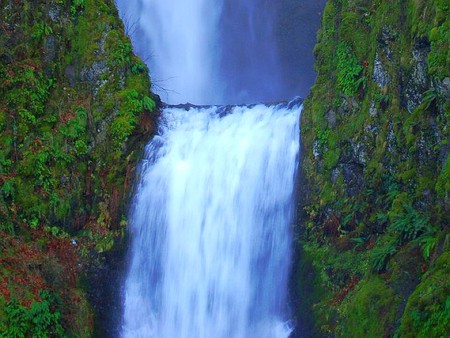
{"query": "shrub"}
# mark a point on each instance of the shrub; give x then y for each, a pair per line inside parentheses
(40, 320)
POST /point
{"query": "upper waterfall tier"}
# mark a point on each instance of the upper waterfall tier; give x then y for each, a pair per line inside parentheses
(225, 51)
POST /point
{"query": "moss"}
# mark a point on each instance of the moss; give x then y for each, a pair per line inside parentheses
(378, 177)
(68, 81)
(427, 312)
(443, 181)
(369, 310)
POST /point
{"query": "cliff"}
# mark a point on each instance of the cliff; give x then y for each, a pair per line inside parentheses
(373, 235)
(75, 110)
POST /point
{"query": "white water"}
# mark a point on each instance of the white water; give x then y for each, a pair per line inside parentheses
(208, 51)
(210, 225)
(179, 38)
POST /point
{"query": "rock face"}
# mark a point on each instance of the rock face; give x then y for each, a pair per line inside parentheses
(75, 112)
(375, 171)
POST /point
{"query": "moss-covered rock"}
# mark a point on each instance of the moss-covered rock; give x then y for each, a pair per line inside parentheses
(369, 310)
(427, 312)
(375, 159)
(75, 111)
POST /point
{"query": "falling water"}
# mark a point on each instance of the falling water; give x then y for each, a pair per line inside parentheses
(178, 40)
(225, 51)
(210, 225)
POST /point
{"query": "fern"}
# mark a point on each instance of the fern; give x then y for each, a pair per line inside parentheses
(381, 254)
(410, 224)
(348, 70)
(427, 243)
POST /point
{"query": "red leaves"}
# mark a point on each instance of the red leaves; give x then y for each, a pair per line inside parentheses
(4, 289)
(26, 265)
(332, 226)
(63, 250)
(344, 292)
(5, 29)
(66, 117)
(21, 273)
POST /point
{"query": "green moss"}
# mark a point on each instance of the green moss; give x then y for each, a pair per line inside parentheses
(72, 96)
(396, 201)
(427, 313)
(443, 181)
(369, 310)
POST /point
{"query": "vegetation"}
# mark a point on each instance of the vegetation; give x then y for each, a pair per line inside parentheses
(348, 70)
(75, 110)
(374, 229)
(40, 320)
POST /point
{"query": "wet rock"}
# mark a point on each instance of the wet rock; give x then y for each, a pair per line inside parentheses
(373, 112)
(70, 75)
(373, 129)
(316, 149)
(50, 49)
(391, 140)
(335, 175)
(446, 86)
(388, 36)
(420, 69)
(380, 75)
(331, 118)
(353, 178)
(442, 87)
(93, 74)
(417, 81)
(54, 13)
(349, 105)
(360, 152)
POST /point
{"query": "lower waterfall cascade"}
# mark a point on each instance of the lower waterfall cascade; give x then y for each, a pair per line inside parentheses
(210, 224)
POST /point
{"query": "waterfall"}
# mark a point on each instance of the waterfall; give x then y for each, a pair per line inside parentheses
(210, 222)
(210, 225)
(178, 40)
(208, 51)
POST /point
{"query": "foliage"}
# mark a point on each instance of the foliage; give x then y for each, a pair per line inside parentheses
(381, 254)
(68, 82)
(377, 183)
(428, 242)
(40, 320)
(40, 30)
(76, 6)
(121, 54)
(348, 70)
(409, 224)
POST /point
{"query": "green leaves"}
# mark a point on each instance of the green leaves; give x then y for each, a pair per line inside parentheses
(121, 54)
(40, 320)
(427, 242)
(76, 6)
(381, 254)
(40, 29)
(348, 70)
(131, 105)
(148, 104)
(409, 224)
